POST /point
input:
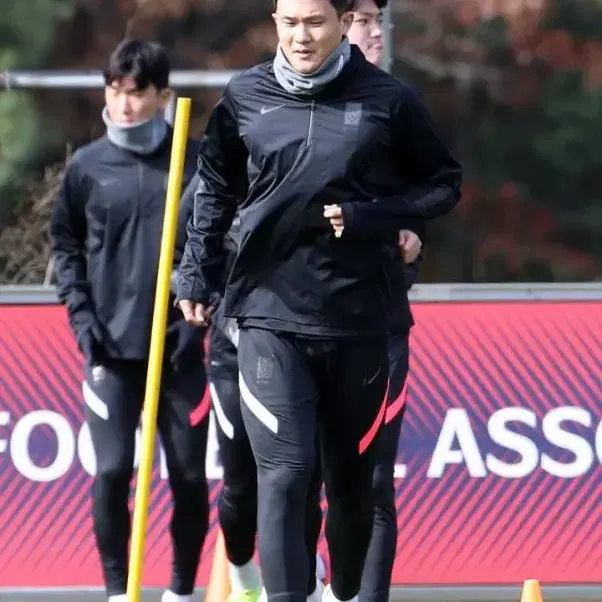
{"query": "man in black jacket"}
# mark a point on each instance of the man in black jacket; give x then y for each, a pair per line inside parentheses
(106, 232)
(366, 33)
(237, 506)
(338, 157)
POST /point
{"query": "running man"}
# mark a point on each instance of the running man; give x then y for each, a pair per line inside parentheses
(339, 156)
(237, 505)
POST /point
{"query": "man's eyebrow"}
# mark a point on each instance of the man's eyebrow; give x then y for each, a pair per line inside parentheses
(127, 89)
(306, 18)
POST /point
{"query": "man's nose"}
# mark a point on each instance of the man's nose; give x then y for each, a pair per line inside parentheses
(124, 103)
(377, 30)
(302, 34)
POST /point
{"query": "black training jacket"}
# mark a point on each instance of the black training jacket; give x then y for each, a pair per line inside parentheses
(105, 231)
(401, 276)
(365, 142)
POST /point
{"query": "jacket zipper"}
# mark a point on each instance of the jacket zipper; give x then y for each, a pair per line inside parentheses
(310, 129)
(140, 180)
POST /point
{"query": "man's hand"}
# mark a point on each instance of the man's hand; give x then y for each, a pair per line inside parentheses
(335, 214)
(89, 337)
(196, 313)
(410, 245)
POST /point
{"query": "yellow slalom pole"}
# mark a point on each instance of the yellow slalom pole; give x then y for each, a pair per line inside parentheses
(157, 344)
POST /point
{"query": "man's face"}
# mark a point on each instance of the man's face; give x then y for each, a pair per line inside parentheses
(309, 31)
(366, 31)
(127, 105)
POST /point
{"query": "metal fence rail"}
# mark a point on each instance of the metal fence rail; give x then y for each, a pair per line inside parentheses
(420, 293)
(78, 80)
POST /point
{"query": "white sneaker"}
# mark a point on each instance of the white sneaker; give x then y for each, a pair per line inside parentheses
(328, 596)
(118, 598)
(169, 596)
(317, 595)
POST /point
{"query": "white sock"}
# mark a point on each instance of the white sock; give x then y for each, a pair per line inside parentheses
(244, 577)
(118, 598)
(169, 596)
(330, 597)
(317, 595)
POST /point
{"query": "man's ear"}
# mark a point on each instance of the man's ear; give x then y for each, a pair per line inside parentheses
(346, 22)
(164, 97)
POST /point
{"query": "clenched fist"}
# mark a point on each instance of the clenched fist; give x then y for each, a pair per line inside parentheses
(410, 245)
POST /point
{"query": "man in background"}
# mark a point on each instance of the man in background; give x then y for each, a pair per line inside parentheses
(366, 32)
(106, 233)
(338, 156)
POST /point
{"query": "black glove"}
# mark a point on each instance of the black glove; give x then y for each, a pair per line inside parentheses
(89, 341)
(184, 344)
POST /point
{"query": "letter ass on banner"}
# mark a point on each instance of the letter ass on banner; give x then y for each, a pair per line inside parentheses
(499, 469)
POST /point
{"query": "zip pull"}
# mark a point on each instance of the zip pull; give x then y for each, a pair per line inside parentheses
(310, 128)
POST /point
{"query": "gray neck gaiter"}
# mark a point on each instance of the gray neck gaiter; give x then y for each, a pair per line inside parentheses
(311, 83)
(142, 138)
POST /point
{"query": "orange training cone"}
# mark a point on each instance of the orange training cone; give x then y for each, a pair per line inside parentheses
(531, 591)
(218, 588)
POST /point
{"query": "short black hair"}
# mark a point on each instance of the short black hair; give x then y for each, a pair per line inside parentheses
(146, 63)
(381, 3)
(341, 6)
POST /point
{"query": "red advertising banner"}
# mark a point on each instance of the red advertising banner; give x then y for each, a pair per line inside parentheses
(499, 467)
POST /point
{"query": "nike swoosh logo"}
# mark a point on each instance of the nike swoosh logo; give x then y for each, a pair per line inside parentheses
(265, 110)
(371, 380)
